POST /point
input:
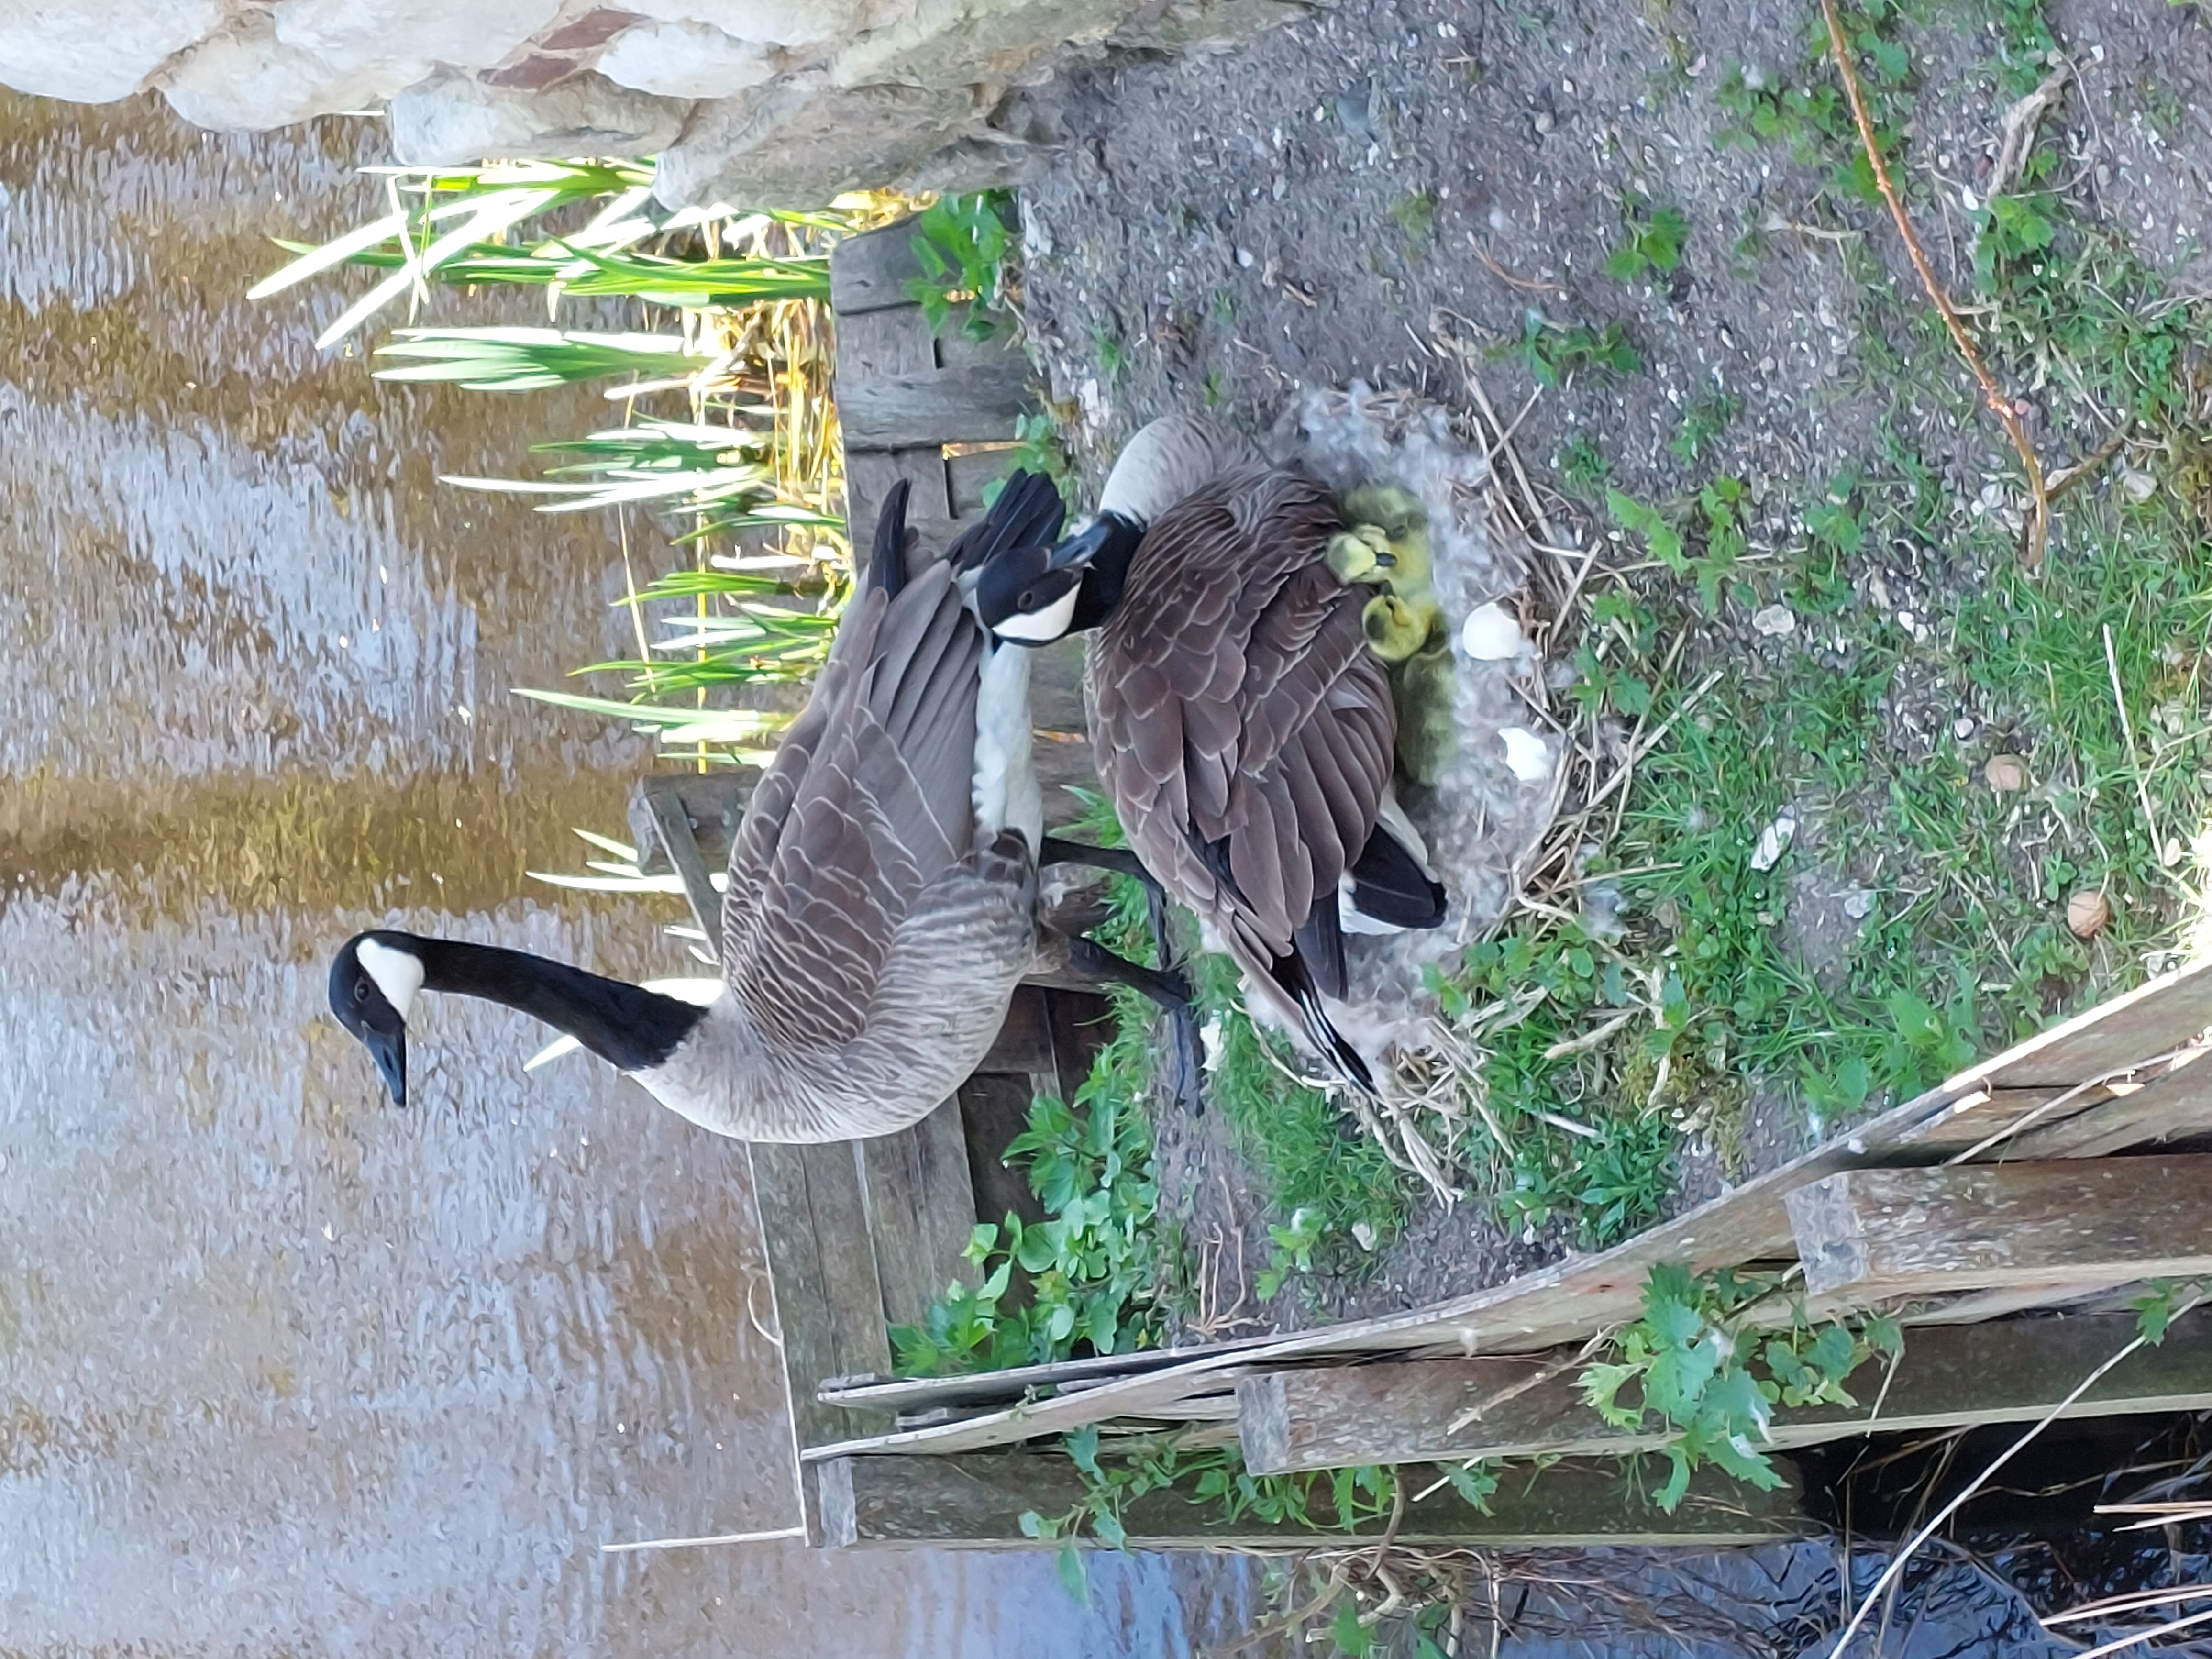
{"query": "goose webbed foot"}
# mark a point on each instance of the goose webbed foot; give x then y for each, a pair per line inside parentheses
(1171, 989)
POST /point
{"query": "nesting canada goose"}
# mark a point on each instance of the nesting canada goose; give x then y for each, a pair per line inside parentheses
(1239, 720)
(882, 890)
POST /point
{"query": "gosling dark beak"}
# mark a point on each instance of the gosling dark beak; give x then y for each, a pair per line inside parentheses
(391, 1053)
(1078, 550)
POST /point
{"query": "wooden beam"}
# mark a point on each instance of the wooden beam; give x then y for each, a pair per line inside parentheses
(974, 404)
(2170, 1012)
(921, 1211)
(977, 1502)
(2011, 1370)
(1870, 1234)
(870, 272)
(2174, 1103)
(666, 808)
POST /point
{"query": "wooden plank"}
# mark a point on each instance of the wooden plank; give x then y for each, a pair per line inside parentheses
(829, 1302)
(2173, 1103)
(977, 1502)
(1954, 1375)
(921, 1212)
(911, 1393)
(973, 405)
(713, 805)
(995, 1108)
(1871, 1234)
(1082, 1023)
(881, 342)
(1024, 1040)
(870, 272)
(869, 475)
(2167, 1013)
(957, 349)
(970, 474)
(670, 817)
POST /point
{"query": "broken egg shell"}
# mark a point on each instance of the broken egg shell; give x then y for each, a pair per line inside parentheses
(1527, 755)
(1489, 635)
(2005, 774)
(1774, 841)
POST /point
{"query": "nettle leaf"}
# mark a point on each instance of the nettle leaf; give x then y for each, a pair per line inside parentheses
(1602, 1386)
(1108, 1526)
(1670, 1281)
(1675, 1323)
(1083, 1447)
(1835, 1351)
(1733, 1400)
(1071, 1574)
(1475, 1486)
(1670, 1495)
(1677, 1380)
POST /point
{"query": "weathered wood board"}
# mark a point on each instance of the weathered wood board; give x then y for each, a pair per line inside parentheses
(977, 1502)
(1871, 1235)
(2010, 1370)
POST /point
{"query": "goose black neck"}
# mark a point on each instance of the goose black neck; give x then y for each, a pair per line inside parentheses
(625, 1024)
(1108, 573)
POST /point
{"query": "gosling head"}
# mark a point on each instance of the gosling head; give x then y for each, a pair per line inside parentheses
(372, 985)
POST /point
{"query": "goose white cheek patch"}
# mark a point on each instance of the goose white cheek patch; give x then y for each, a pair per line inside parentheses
(398, 973)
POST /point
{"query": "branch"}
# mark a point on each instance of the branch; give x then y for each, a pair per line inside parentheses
(2039, 526)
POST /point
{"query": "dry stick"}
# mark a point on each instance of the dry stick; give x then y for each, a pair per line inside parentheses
(2039, 527)
(1896, 1568)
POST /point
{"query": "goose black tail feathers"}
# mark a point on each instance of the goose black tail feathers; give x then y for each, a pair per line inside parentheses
(1389, 885)
(1027, 513)
(887, 558)
(1339, 1055)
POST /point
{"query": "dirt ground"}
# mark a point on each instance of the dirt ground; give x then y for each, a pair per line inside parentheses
(1315, 207)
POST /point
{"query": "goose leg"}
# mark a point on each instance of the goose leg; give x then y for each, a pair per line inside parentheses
(1121, 861)
(1087, 958)
(1053, 849)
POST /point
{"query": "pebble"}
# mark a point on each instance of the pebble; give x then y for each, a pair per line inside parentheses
(1774, 841)
(1775, 621)
(1962, 728)
(1544, 123)
(1858, 903)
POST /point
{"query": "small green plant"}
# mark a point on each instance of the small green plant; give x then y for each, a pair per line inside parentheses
(1702, 1365)
(1037, 447)
(1583, 466)
(1709, 414)
(1656, 234)
(1554, 355)
(1088, 1271)
(1291, 1250)
(1415, 215)
(964, 247)
(1113, 355)
(1117, 1474)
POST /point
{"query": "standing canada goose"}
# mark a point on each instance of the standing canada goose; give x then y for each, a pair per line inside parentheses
(882, 890)
(1241, 721)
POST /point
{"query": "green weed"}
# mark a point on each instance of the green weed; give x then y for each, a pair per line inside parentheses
(1554, 355)
(965, 247)
(1656, 234)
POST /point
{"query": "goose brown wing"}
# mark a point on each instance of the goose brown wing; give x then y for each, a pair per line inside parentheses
(1240, 720)
(867, 804)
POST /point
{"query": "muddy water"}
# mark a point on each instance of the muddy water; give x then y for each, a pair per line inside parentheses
(284, 1370)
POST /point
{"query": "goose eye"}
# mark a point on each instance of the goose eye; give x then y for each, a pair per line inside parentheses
(1028, 600)
(361, 990)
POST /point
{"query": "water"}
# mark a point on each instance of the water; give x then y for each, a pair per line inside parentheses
(284, 1370)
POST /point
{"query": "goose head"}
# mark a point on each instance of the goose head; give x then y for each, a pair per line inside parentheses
(374, 980)
(1028, 594)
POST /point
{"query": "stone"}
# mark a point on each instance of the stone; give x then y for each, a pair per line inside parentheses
(451, 120)
(1775, 621)
(92, 51)
(686, 60)
(2088, 912)
(989, 43)
(352, 34)
(799, 146)
(784, 22)
(246, 80)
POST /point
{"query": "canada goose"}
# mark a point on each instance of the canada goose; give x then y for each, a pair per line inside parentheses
(881, 903)
(1239, 721)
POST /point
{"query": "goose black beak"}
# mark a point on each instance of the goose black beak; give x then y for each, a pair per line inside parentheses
(389, 1049)
(1077, 552)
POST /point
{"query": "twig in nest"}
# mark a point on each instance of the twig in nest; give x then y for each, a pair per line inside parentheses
(2039, 526)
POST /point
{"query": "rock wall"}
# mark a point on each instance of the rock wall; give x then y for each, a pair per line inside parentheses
(766, 103)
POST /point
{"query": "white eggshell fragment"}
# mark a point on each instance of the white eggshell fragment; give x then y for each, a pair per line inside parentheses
(1527, 755)
(1489, 635)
